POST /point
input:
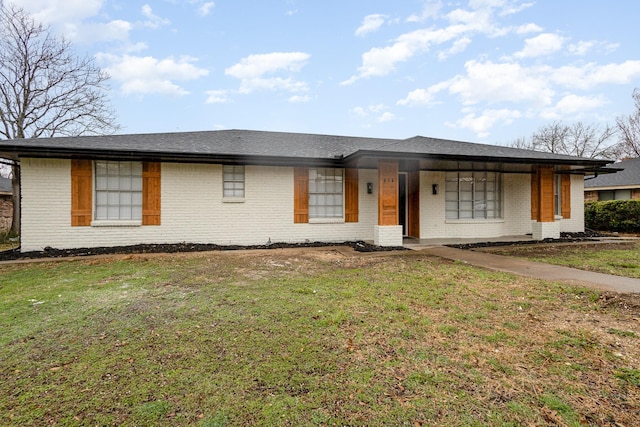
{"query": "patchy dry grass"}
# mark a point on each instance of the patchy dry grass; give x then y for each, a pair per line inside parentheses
(620, 259)
(309, 337)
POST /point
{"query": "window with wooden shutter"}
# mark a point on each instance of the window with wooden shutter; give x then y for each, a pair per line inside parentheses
(351, 195)
(151, 193)
(300, 195)
(81, 192)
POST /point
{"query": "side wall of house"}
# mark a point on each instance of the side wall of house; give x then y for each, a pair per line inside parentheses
(575, 224)
(516, 210)
(192, 210)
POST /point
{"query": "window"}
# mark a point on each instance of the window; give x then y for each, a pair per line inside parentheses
(118, 190)
(473, 195)
(605, 195)
(233, 181)
(326, 193)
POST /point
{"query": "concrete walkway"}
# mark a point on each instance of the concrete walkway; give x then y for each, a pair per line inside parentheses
(536, 270)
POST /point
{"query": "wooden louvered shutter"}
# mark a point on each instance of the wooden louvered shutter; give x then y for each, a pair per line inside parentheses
(151, 193)
(351, 195)
(81, 192)
(547, 195)
(300, 195)
(387, 192)
(566, 196)
(535, 194)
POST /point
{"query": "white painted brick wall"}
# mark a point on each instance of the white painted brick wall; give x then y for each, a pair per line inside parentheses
(516, 210)
(576, 223)
(193, 210)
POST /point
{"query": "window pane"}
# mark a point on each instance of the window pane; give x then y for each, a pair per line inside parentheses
(472, 195)
(325, 193)
(118, 189)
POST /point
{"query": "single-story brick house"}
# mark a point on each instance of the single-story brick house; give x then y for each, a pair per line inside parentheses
(6, 205)
(622, 185)
(250, 187)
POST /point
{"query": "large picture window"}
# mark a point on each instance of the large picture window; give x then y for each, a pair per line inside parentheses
(473, 195)
(326, 193)
(233, 181)
(118, 190)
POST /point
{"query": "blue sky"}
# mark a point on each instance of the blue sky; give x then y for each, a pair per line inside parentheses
(479, 70)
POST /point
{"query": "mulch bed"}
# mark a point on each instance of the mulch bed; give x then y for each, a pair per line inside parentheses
(588, 236)
(48, 252)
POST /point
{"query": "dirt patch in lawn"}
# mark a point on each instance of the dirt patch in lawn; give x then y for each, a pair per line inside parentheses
(48, 252)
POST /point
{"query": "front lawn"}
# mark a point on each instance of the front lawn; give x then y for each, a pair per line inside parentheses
(309, 337)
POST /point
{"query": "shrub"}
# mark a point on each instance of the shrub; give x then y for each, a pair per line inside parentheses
(614, 215)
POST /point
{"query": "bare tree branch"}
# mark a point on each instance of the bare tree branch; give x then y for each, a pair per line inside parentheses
(629, 129)
(46, 89)
(578, 139)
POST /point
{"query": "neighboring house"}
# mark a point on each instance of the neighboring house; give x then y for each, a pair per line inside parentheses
(6, 206)
(250, 187)
(622, 185)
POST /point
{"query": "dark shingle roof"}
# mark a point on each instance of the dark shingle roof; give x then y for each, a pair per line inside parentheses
(5, 186)
(630, 175)
(280, 147)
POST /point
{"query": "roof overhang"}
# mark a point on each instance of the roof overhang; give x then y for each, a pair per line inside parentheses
(443, 162)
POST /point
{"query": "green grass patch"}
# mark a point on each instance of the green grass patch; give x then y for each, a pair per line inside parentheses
(281, 338)
(619, 259)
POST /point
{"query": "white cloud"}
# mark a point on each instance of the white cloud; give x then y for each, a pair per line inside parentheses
(483, 123)
(458, 46)
(386, 117)
(421, 97)
(117, 30)
(149, 75)
(299, 99)
(205, 8)
(217, 97)
(60, 11)
(591, 74)
(252, 70)
(153, 20)
(581, 48)
(502, 82)
(370, 24)
(541, 45)
(528, 28)
(431, 10)
(571, 105)
(378, 111)
(463, 25)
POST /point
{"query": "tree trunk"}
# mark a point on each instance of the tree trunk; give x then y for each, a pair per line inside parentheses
(15, 198)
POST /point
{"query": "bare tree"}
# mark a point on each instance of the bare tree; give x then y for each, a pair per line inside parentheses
(46, 89)
(590, 141)
(578, 139)
(629, 129)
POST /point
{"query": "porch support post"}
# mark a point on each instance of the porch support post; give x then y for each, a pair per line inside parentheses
(544, 225)
(388, 232)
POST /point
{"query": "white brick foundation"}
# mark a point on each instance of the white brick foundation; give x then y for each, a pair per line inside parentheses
(387, 235)
(545, 230)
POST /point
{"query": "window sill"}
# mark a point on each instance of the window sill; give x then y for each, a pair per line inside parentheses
(116, 223)
(326, 220)
(474, 221)
(233, 200)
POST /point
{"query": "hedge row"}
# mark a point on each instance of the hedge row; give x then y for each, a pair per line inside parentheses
(614, 215)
